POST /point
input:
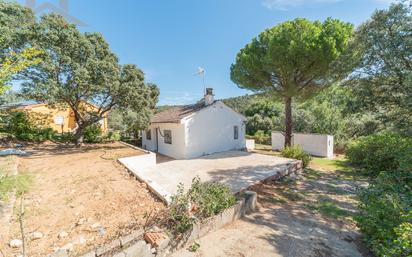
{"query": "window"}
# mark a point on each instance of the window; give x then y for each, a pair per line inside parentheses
(236, 132)
(59, 120)
(168, 136)
(149, 134)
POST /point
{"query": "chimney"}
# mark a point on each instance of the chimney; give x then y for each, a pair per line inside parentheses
(209, 96)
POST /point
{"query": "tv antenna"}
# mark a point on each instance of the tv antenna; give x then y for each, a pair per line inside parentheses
(201, 72)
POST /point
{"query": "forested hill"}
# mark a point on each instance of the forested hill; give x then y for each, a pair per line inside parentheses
(239, 103)
(242, 103)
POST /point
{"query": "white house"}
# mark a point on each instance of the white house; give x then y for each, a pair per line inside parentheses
(190, 131)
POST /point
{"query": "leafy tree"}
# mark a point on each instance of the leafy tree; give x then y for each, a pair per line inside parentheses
(257, 122)
(79, 70)
(15, 51)
(383, 77)
(293, 60)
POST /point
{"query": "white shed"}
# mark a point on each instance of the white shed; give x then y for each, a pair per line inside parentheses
(190, 131)
(315, 144)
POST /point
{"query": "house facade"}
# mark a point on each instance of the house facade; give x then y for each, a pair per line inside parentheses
(186, 132)
(61, 119)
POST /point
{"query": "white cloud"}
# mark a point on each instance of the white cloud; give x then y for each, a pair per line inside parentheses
(286, 4)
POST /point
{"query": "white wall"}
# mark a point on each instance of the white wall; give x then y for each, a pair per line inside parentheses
(149, 144)
(211, 130)
(176, 149)
(250, 144)
(315, 144)
(278, 140)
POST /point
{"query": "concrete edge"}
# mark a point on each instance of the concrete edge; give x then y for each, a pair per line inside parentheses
(134, 147)
(164, 195)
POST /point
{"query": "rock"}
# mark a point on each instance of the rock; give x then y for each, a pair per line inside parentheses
(68, 247)
(81, 221)
(102, 231)
(95, 226)
(36, 235)
(81, 240)
(15, 243)
(62, 234)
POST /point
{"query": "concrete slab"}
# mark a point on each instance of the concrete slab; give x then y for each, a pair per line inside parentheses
(237, 169)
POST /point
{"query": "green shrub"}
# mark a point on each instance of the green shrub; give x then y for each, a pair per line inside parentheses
(386, 214)
(203, 200)
(93, 134)
(211, 197)
(180, 219)
(22, 127)
(296, 152)
(114, 136)
(380, 152)
(261, 138)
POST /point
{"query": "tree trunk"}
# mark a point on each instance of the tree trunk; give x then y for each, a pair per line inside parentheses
(79, 135)
(288, 121)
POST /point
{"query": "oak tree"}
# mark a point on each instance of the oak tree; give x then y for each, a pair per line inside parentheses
(79, 70)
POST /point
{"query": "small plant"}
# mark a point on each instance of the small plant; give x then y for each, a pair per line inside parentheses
(114, 136)
(211, 197)
(203, 200)
(261, 138)
(180, 220)
(93, 134)
(19, 183)
(296, 152)
(194, 247)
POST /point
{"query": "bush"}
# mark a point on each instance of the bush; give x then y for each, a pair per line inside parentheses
(211, 197)
(296, 152)
(261, 138)
(22, 127)
(114, 136)
(203, 200)
(380, 152)
(386, 214)
(93, 134)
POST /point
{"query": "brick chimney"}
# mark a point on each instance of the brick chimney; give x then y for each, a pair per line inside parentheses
(209, 96)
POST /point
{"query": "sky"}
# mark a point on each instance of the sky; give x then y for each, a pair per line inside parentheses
(170, 39)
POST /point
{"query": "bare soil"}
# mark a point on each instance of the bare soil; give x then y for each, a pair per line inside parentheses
(83, 195)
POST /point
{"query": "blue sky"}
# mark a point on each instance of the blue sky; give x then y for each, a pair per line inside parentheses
(169, 39)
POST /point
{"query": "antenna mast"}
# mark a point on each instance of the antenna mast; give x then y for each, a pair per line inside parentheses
(202, 72)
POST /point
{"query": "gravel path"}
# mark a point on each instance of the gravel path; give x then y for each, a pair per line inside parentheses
(310, 216)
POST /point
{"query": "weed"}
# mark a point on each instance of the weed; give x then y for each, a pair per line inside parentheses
(331, 210)
(19, 183)
(194, 247)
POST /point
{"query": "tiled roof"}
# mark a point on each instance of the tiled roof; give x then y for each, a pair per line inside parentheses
(175, 114)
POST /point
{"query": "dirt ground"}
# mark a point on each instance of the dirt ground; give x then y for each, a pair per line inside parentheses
(79, 198)
(308, 216)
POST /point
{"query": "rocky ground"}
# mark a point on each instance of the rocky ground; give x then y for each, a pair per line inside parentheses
(311, 216)
(78, 198)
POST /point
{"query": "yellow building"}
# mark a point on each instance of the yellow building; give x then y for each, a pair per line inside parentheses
(60, 119)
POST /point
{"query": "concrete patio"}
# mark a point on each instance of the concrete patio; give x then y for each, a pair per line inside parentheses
(238, 170)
